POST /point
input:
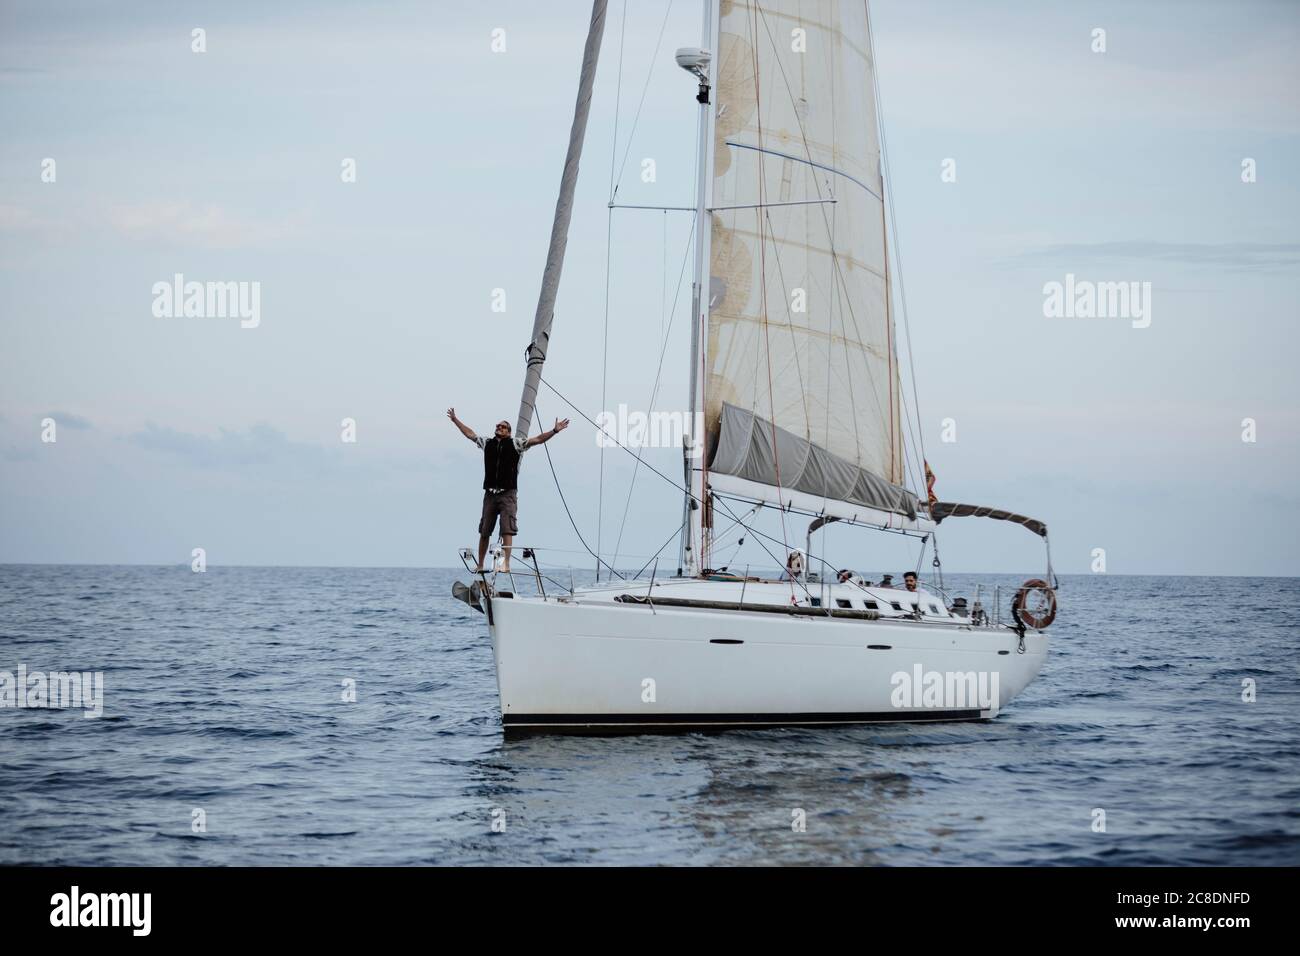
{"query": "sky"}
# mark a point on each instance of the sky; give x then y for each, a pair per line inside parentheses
(377, 295)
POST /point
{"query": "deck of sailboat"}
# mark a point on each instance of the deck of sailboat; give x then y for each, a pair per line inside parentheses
(761, 595)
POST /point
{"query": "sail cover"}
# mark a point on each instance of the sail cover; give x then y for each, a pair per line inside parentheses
(750, 448)
(802, 388)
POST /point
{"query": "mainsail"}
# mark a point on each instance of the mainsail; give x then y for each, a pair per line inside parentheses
(802, 389)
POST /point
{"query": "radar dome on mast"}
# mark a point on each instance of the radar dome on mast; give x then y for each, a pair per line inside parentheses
(694, 60)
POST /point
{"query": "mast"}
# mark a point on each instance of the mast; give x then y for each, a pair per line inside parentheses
(703, 65)
(560, 226)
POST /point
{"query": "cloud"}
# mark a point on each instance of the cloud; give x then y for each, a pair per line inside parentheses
(169, 222)
(208, 225)
(68, 420)
(259, 445)
(1005, 67)
(1255, 256)
(16, 218)
(14, 453)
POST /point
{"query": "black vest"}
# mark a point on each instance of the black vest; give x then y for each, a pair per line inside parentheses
(500, 464)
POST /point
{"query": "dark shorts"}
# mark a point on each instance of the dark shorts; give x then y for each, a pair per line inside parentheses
(505, 504)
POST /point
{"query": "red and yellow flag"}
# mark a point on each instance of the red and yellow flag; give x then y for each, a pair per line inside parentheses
(929, 484)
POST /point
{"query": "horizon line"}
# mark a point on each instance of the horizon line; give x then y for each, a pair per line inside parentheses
(422, 567)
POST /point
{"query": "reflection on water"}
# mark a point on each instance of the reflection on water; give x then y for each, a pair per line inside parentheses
(867, 795)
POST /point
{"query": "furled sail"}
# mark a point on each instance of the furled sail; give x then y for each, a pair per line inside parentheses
(802, 391)
(950, 509)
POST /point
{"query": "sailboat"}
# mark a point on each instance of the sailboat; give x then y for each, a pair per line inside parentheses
(802, 408)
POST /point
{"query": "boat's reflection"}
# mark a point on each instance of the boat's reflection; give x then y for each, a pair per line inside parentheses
(848, 796)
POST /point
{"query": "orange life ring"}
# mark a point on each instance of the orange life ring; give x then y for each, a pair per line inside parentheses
(1046, 612)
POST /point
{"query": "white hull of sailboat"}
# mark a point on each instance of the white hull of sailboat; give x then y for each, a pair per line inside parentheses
(631, 668)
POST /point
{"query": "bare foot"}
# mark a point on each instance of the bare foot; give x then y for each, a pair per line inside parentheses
(505, 569)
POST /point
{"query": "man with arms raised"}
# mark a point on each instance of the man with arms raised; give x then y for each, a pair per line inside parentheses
(501, 454)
